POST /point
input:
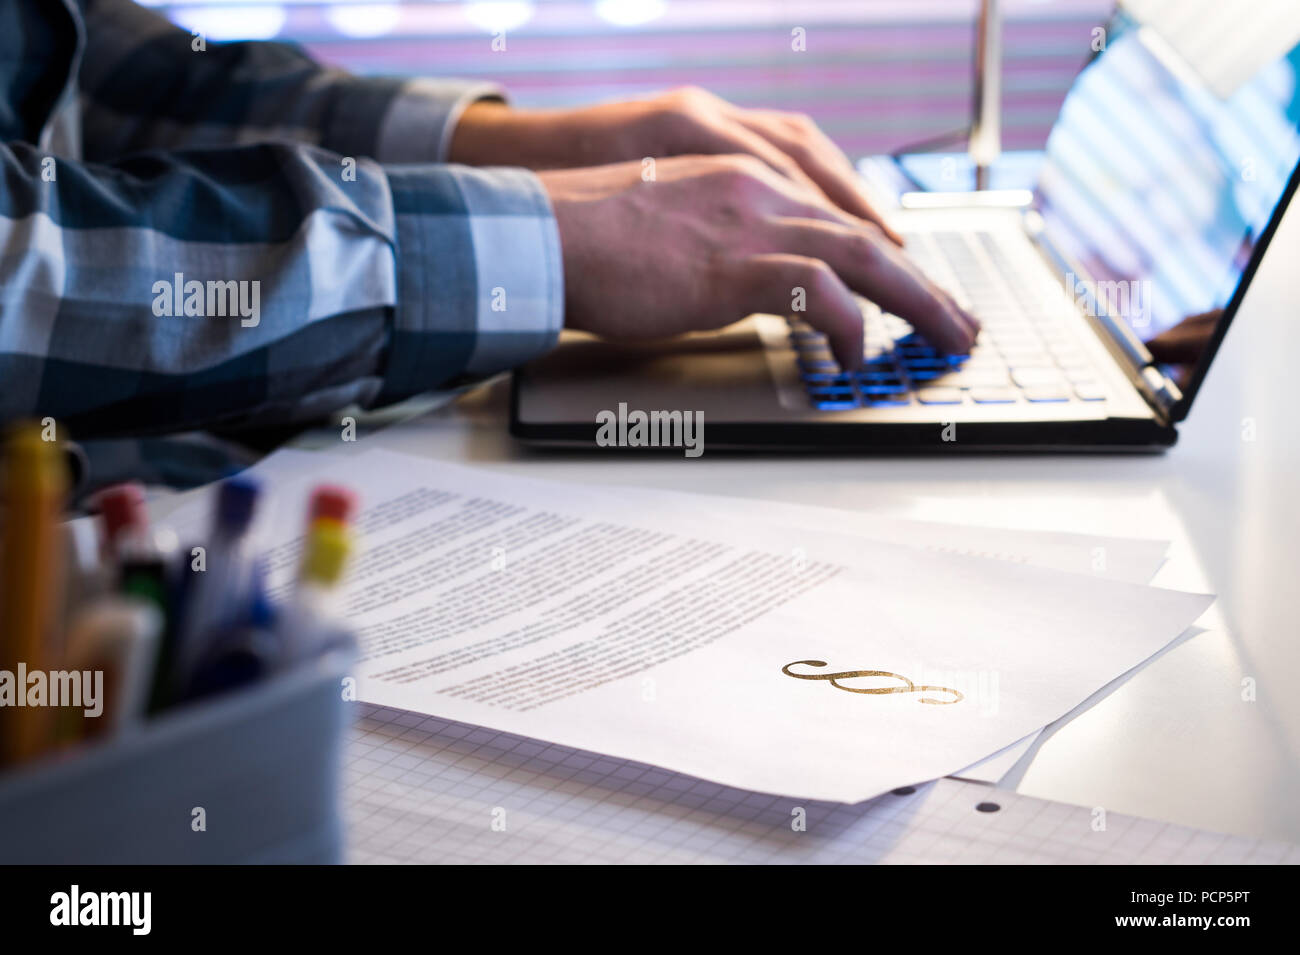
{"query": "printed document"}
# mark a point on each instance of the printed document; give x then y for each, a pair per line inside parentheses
(778, 658)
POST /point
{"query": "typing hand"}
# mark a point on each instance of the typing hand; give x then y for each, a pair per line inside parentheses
(715, 238)
(681, 122)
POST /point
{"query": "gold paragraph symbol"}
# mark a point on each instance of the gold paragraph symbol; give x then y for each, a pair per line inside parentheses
(905, 685)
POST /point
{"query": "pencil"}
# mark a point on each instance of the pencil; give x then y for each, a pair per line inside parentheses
(30, 572)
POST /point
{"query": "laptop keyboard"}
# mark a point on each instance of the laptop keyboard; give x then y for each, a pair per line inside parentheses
(1023, 352)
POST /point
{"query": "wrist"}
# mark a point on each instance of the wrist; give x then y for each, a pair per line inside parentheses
(490, 133)
(476, 141)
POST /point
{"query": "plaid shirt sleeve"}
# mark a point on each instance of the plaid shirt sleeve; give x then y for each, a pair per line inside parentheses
(363, 270)
(147, 84)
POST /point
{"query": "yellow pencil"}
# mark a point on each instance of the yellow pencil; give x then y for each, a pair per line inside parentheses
(33, 488)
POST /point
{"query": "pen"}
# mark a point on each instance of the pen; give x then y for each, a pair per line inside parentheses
(218, 596)
(331, 501)
(118, 638)
(86, 577)
(246, 653)
(30, 572)
(306, 622)
(122, 515)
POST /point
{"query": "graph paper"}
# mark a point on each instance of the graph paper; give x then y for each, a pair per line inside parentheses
(424, 790)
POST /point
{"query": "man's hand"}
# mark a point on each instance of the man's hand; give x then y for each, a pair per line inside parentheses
(682, 122)
(715, 238)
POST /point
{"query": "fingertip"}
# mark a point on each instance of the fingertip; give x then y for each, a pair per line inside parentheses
(963, 340)
(848, 351)
(952, 336)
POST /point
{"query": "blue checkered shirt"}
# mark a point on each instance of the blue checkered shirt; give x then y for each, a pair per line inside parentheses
(202, 235)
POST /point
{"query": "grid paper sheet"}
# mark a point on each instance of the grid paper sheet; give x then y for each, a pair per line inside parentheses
(424, 790)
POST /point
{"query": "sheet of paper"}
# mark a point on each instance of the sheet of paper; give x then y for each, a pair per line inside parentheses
(991, 769)
(1131, 559)
(421, 789)
(1134, 560)
(738, 651)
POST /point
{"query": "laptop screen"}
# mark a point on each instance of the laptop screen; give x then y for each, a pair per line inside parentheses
(1158, 190)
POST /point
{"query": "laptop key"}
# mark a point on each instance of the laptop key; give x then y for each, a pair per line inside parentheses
(884, 389)
(939, 396)
(1034, 377)
(1041, 393)
(993, 396)
(887, 401)
(1090, 391)
(834, 405)
(931, 374)
(979, 378)
(1028, 359)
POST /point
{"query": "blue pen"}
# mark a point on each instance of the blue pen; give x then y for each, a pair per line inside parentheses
(219, 593)
(248, 653)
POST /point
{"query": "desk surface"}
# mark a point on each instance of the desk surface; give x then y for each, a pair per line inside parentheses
(1180, 740)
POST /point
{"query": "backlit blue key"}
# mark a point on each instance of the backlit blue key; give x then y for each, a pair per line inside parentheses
(928, 374)
(822, 377)
(898, 389)
(817, 364)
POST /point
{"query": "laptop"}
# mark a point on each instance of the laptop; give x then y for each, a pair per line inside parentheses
(1103, 300)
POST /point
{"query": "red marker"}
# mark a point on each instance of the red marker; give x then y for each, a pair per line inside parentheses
(122, 515)
(332, 502)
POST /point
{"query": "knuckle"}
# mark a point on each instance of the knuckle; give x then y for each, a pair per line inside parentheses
(673, 122)
(799, 121)
(819, 277)
(788, 165)
(748, 164)
(688, 96)
(866, 242)
(741, 173)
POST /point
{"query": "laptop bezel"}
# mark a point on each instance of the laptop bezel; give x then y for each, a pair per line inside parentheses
(1182, 407)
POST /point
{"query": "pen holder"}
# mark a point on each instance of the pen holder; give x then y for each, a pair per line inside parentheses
(251, 776)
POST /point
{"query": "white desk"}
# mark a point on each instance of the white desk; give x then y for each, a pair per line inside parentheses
(1174, 742)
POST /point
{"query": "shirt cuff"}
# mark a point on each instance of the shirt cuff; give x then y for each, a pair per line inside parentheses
(419, 122)
(480, 279)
